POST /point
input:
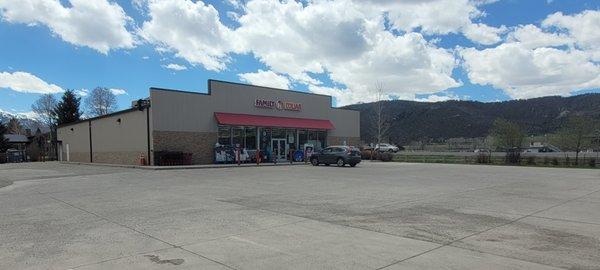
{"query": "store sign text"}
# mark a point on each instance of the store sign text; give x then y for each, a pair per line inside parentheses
(277, 104)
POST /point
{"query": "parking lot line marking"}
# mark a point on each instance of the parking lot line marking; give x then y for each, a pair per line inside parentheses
(138, 231)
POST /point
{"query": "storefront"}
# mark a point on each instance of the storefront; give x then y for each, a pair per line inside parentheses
(276, 143)
(276, 123)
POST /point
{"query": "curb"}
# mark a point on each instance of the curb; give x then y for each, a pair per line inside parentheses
(184, 167)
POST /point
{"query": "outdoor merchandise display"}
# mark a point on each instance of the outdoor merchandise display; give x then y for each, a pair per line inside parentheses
(308, 150)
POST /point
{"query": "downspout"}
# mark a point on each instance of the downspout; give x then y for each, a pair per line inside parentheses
(148, 132)
(90, 131)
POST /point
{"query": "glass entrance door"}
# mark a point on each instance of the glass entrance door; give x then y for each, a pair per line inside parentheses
(278, 149)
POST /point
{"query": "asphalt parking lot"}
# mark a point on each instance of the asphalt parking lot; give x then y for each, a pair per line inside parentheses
(374, 216)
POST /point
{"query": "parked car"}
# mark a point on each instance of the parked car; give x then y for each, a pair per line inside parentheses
(386, 147)
(339, 155)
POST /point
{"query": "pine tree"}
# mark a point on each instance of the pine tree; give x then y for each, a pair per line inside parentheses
(67, 110)
(3, 140)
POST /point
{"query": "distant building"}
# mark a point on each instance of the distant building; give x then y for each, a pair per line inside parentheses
(17, 146)
(17, 141)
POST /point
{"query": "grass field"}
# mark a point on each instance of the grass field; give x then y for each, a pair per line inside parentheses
(529, 160)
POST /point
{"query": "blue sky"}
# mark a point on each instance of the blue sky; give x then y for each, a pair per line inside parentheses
(476, 50)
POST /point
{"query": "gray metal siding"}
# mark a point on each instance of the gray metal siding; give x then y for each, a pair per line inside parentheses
(194, 112)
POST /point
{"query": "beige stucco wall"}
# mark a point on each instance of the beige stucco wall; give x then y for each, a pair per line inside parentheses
(112, 142)
(77, 137)
(194, 112)
(122, 143)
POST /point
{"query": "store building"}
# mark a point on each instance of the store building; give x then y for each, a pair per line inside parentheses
(273, 121)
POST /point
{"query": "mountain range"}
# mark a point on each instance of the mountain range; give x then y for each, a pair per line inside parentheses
(437, 121)
(27, 121)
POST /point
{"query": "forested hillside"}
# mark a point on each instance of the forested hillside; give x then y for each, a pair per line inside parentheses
(412, 121)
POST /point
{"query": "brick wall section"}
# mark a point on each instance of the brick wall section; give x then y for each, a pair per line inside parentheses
(129, 158)
(200, 144)
(353, 141)
(77, 156)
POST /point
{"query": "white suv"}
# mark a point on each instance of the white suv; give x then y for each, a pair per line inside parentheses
(385, 147)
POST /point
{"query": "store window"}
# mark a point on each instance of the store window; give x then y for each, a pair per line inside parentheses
(278, 133)
(238, 136)
(302, 138)
(291, 139)
(224, 135)
(250, 138)
(322, 138)
(265, 139)
(312, 139)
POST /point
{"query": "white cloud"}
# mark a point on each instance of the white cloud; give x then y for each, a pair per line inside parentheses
(82, 92)
(349, 42)
(266, 78)
(533, 37)
(342, 96)
(432, 16)
(98, 24)
(175, 67)
(557, 59)
(484, 34)
(191, 30)
(583, 27)
(437, 98)
(118, 91)
(524, 73)
(27, 83)
(344, 40)
(294, 39)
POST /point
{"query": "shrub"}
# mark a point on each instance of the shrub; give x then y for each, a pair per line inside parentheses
(555, 161)
(365, 154)
(592, 162)
(531, 160)
(385, 157)
(483, 158)
(546, 160)
(513, 156)
(567, 161)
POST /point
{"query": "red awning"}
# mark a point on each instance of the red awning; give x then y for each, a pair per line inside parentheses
(236, 119)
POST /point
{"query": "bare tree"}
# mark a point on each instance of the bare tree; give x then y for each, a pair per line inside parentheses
(44, 108)
(101, 101)
(381, 121)
(14, 126)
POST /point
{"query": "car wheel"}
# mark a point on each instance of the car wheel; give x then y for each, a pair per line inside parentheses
(314, 162)
(352, 164)
(340, 162)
